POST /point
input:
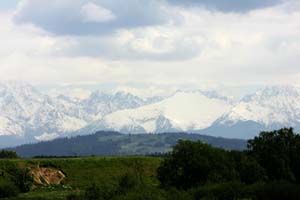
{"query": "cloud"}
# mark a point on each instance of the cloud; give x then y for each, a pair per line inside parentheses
(93, 13)
(79, 17)
(228, 5)
(8, 5)
(152, 43)
(192, 45)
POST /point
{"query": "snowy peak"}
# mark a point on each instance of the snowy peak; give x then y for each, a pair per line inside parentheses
(193, 110)
(215, 95)
(183, 111)
(119, 98)
(274, 92)
(27, 113)
(73, 94)
(103, 103)
(276, 105)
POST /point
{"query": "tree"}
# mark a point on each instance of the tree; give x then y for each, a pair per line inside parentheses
(248, 169)
(195, 163)
(5, 154)
(279, 153)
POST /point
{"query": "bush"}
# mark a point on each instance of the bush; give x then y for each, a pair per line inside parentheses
(221, 191)
(278, 191)
(21, 177)
(143, 193)
(97, 192)
(7, 189)
(175, 194)
(127, 182)
(74, 197)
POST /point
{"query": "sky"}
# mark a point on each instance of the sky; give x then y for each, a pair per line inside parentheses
(150, 43)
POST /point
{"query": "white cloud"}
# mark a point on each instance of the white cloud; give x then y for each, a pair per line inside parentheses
(94, 13)
(65, 17)
(198, 47)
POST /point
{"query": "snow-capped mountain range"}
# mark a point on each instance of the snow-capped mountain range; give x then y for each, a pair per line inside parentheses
(183, 111)
(28, 115)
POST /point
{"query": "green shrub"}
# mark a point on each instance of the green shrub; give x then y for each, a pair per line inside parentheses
(21, 177)
(74, 197)
(278, 191)
(175, 194)
(221, 191)
(7, 189)
(127, 182)
(99, 192)
(143, 193)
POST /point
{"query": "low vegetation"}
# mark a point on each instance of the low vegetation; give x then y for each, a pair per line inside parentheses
(267, 170)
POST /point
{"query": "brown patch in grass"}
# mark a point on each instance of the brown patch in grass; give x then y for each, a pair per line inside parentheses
(47, 176)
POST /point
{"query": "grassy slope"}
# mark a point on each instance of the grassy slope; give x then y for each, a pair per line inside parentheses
(81, 172)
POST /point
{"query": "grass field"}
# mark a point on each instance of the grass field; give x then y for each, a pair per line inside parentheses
(81, 172)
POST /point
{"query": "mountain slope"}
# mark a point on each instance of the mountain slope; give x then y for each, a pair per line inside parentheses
(26, 112)
(28, 115)
(271, 108)
(184, 111)
(100, 103)
(113, 143)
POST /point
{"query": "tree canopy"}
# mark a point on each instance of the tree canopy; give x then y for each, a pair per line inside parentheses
(279, 153)
(5, 154)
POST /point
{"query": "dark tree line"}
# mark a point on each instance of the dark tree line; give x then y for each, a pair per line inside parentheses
(279, 153)
(269, 166)
(5, 154)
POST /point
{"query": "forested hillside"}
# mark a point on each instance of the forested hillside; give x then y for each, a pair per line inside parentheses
(113, 143)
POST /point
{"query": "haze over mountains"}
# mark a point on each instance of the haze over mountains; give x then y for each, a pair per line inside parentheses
(28, 115)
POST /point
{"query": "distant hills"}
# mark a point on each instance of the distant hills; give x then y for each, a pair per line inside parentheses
(28, 115)
(113, 143)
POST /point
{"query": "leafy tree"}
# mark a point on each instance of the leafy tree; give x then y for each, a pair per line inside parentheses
(248, 169)
(195, 163)
(5, 154)
(279, 153)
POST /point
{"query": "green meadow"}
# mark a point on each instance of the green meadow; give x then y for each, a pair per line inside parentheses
(82, 172)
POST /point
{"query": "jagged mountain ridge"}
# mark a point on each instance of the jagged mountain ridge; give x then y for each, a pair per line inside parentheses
(24, 110)
(271, 108)
(27, 113)
(183, 111)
